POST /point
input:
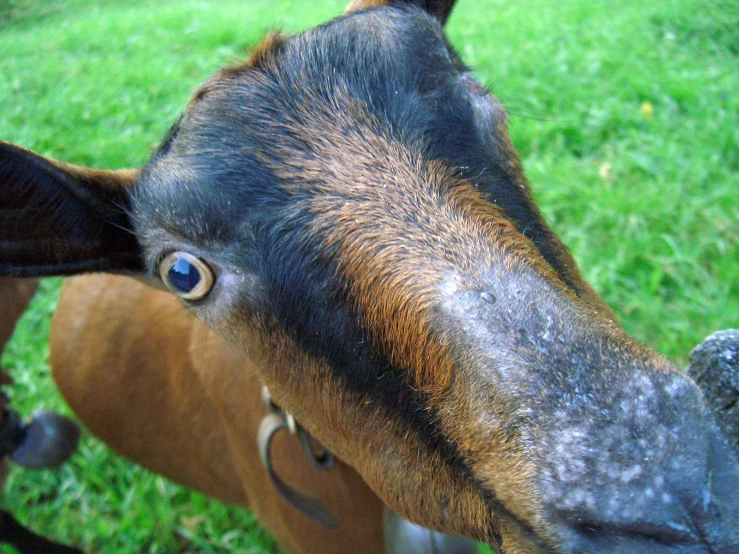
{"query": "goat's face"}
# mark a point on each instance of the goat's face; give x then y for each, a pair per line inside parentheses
(347, 208)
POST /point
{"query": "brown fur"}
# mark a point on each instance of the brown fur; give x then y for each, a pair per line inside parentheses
(395, 307)
(440, 8)
(393, 461)
(391, 303)
(164, 391)
(358, 5)
(396, 310)
(261, 55)
(258, 57)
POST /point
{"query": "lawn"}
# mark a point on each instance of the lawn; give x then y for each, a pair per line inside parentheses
(625, 114)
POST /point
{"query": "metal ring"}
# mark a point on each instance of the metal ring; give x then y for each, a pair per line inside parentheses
(311, 507)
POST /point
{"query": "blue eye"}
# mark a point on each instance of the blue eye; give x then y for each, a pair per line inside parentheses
(185, 275)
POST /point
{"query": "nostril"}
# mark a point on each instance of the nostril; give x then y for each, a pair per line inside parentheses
(581, 534)
(720, 524)
(667, 534)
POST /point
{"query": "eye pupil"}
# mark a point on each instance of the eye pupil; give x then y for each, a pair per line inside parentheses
(184, 276)
(189, 277)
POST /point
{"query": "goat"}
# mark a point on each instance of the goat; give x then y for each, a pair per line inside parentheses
(346, 210)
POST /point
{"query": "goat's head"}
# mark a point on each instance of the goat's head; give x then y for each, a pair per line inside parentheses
(347, 208)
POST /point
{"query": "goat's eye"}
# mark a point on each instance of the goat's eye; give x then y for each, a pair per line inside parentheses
(185, 275)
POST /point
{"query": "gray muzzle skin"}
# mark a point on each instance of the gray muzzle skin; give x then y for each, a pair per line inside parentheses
(714, 367)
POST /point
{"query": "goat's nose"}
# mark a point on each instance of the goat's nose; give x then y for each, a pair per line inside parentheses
(593, 542)
(720, 515)
(696, 510)
(661, 526)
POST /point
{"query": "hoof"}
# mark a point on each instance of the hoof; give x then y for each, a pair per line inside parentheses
(49, 440)
(404, 537)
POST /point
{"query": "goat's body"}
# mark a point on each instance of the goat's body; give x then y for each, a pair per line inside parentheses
(163, 390)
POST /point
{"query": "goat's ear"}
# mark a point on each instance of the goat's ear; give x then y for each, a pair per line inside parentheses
(60, 219)
(438, 8)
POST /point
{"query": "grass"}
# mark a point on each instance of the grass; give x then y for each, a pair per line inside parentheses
(625, 115)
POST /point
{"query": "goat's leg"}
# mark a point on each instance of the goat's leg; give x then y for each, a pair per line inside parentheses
(45, 442)
(28, 542)
(15, 294)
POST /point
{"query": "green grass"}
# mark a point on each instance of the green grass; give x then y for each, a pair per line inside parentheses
(625, 115)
